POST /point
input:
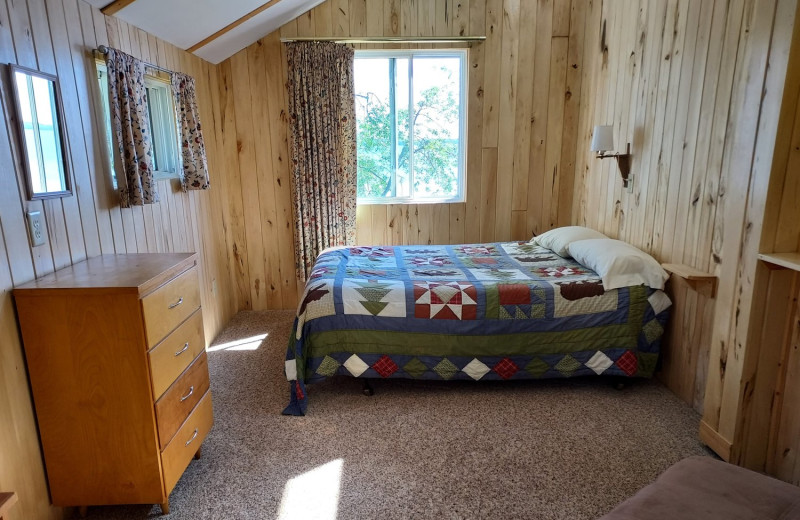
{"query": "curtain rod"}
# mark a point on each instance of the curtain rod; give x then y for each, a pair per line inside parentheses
(102, 49)
(387, 39)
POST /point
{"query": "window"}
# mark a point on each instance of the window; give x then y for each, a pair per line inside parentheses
(411, 114)
(163, 126)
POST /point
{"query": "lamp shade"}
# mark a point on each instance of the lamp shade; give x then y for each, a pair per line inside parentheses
(603, 138)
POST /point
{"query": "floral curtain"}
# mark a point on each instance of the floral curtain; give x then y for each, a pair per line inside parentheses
(194, 175)
(130, 119)
(323, 121)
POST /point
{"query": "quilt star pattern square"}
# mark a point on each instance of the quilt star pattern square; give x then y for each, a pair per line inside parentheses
(472, 312)
(445, 300)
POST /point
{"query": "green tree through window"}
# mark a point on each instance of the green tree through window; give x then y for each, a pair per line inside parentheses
(410, 119)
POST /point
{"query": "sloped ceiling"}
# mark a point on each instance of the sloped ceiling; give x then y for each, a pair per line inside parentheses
(211, 29)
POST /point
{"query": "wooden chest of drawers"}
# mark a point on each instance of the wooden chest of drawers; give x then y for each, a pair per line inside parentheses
(117, 363)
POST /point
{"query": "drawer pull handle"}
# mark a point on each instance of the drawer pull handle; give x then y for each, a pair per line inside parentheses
(184, 349)
(194, 436)
(187, 396)
(172, 306)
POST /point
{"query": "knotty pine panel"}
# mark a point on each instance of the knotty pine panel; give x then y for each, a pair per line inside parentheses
(684, 82)
(56, 36)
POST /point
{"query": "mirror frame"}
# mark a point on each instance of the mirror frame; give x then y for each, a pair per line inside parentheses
(13, 69)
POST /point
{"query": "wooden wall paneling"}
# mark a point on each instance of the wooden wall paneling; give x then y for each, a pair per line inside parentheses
(460, 15)
(784, 446)
(644, 218)
(492, 73)
(701, 176)
(238, 245)
(472, 221)
(773, 326)
(665, 230)
(721, 112)
(590, 66)
(505, 108)
(266, 193)
(242, 101)
(773, 41)
(743, 386)
(523, 111)
(391, 17)
(374, 18)
(673, 124)
(538, 125)
(685, 194)
(572, 105)
(555, 133)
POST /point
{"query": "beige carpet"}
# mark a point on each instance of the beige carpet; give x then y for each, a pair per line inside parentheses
(559, 449)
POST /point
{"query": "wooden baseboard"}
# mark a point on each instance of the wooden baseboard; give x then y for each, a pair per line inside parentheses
(719, 444)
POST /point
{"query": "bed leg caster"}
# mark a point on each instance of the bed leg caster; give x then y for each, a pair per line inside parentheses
(367, 389)
(619, 384)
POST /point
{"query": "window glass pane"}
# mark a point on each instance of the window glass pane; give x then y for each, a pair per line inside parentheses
(436, 126)
(374, 127)
(409, 111)
(403, 151)
(150, 105)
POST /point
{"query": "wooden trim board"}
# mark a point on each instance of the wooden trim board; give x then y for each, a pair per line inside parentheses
(716, 442)
(115, 7)
(232, 25)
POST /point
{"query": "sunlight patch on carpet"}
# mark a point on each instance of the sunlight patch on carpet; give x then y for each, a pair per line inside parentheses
(251, 343)
(314, 494)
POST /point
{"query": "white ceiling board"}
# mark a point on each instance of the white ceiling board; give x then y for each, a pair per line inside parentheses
(253, 29)
(183, 23)
(99, 3)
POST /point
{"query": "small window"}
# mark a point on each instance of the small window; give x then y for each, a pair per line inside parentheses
(411, 117)
(163, 126)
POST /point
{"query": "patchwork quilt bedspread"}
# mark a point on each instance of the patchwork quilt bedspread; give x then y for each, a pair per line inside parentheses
(510, 310)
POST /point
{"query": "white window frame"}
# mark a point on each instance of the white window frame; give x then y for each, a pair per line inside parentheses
(462, 117)
(165, 140)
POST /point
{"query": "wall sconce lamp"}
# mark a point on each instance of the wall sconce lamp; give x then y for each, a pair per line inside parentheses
(603, 142)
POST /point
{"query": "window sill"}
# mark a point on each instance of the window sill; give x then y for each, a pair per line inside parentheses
(396, 202)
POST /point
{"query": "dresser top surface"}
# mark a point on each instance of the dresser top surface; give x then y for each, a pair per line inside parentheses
(139, 273)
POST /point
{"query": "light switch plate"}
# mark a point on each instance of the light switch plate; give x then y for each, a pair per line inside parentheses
(36, 228)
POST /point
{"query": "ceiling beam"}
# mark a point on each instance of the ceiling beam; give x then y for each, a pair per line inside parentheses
(229, 27)
(116, 6)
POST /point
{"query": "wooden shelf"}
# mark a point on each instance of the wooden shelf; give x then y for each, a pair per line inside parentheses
(688, 272)
(782, 260)
(700, 281)
(7, 500)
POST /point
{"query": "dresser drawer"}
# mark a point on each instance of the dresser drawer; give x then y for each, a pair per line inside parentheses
(179, 452)
(178, 401)
(171, 357)
(166, 307)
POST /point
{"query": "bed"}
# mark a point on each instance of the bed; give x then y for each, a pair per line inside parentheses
(495, 311)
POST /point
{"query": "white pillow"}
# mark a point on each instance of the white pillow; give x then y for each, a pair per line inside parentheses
(619, 264)
(559, 239)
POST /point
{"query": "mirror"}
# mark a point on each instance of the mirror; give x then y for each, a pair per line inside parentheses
(41, 129)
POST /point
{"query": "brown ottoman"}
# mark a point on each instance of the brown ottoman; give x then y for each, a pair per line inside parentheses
(705, 488)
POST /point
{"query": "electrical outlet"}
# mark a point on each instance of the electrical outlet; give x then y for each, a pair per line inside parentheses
(36, 228)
